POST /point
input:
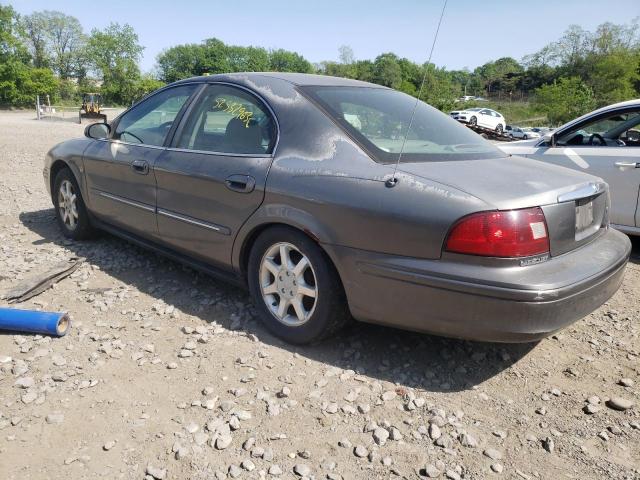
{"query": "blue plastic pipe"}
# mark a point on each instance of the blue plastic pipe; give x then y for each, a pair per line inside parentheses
(49, 323)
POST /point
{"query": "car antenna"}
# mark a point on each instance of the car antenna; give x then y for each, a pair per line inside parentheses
(392, 181)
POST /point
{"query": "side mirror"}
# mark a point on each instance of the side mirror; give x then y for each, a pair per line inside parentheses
(552, 140)
(97, 131)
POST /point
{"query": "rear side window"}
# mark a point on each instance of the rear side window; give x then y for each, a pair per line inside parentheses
(149, 121)
(378, 118)
(227, 119)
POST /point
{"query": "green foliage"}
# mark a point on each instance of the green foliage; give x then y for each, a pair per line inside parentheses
(19, 84)
(114, 53)
(145, 85)
(55, 40)
(286, 61)
(213, 56)
(387, 70)
(11, 48)
(565, 99)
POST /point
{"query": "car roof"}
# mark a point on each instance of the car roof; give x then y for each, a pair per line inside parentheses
(299, 79)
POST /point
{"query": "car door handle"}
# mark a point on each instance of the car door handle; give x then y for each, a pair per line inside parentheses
(140, 166)
(627, 164)
(240, 183)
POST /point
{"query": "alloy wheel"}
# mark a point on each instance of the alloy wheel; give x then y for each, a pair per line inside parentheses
(288, 284)
(67, 205)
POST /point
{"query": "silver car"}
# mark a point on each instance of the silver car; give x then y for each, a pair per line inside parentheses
(293, 186)
(605, 143)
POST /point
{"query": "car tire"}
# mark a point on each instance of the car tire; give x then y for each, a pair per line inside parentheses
(473, 121)
(499, 129)
(70, 208)
(525, 137)
(301, 300)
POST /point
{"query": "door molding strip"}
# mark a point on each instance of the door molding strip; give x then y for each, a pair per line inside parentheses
(126, 201)
(193, 221)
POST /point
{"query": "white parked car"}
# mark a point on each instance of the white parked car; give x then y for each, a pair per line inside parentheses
(482, 117)
(605, 143)
(523, 133)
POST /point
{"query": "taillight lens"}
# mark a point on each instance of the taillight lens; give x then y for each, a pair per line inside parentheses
(511, 233)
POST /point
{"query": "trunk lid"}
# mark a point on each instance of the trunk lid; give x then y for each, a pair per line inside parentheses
(575, 203)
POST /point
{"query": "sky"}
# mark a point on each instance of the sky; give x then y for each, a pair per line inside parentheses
(472, 32)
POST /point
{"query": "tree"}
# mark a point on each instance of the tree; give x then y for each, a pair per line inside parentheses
(565, 99)
(19, 83)
(285, 61)
(387, 70)
(66, 40)
(346, 55)
(114, 54)
(34, 31)
(182, 61)
(145, 85)
(55, 40)
(500, 75)
(11, 48)
(247, 59)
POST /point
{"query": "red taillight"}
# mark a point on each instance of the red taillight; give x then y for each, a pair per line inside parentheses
(511, 233)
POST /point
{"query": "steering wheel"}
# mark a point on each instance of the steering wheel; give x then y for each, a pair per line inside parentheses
(600, 138)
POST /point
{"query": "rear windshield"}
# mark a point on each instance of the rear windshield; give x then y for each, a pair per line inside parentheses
(378, 119)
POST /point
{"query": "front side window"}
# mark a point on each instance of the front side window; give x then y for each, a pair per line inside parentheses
(613, 130)
(227, 119)
(149, 121)
(379, 118)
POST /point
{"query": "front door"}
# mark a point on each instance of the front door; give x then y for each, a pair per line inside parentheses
(213, 177)
(607, 146)
(119, 170)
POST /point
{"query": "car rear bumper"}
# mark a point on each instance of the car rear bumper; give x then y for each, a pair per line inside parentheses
(482, 302)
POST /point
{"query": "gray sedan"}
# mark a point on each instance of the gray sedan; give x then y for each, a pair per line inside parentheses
(294, 186)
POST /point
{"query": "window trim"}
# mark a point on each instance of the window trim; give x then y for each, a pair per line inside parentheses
(575, 125)
(189, 111)
(170, 133)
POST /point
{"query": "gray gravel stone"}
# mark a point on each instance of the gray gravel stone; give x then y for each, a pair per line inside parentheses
(380, 436)
(223, 442)
(109, 445)
(431, 471)
(619, 403)
(626, 382)
(25, 382)
(302, 470)
(493, 454)
(55, 417)
(275, 470)
(360, 451)
(234, 471)
(157, 473)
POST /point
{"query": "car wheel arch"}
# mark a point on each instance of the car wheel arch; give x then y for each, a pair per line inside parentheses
(264, 219)
(249, 239)
(56, 167)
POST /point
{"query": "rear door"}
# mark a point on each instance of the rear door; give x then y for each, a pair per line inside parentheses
(119, 170)
(607, 146)
(212, 177)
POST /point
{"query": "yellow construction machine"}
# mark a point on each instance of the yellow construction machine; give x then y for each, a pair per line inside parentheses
(90, 108)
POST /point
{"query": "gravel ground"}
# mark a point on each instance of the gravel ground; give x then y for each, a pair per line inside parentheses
(167, 373)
